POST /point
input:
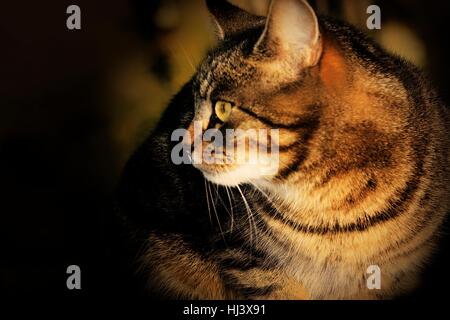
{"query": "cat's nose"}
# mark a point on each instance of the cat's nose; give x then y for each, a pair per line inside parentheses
(194, 134)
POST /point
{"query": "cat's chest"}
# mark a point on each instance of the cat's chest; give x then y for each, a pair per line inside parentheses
(320, 266)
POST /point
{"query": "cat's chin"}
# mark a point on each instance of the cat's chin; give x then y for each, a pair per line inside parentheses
(223, 179)
(234, 177)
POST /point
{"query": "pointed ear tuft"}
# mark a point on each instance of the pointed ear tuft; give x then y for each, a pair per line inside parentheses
(291, 31)
(230, 19)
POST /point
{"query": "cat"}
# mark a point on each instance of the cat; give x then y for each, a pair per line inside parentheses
(363, 177)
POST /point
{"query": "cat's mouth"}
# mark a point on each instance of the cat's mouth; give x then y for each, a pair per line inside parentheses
(234, 175)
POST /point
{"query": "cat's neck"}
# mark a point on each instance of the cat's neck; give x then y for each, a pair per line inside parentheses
(287, 198)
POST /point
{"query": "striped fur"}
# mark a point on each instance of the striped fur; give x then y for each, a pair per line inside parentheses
(364, 176)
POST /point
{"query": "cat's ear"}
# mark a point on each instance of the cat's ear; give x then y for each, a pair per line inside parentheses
(231, 19)
(291, 32)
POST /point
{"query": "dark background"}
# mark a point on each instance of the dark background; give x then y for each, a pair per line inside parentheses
(74, 104)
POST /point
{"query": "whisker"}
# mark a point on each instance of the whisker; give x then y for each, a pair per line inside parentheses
(215, 212)
(263, 193)
(231, 214)
(188, 58)
(207, 201)
(249, 214)
(217, 191)
(231, 208)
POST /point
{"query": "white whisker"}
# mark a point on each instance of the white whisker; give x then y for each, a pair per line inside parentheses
(249, 213)
(188, 58)
(207, 201)
(231, 208)
(215, 212)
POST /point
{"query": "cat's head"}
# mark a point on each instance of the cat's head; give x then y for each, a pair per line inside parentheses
(262, 76)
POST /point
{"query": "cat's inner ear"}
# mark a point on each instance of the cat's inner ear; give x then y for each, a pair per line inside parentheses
(291, 32)
(230, 19)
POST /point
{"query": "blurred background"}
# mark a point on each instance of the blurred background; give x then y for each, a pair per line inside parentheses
(74, 104)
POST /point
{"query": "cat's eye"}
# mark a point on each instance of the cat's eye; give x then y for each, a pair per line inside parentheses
(223, 110)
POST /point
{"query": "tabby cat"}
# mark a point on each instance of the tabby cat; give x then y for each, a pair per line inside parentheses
(363, 177)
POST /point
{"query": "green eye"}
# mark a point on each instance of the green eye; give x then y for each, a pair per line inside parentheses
(223, 110)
